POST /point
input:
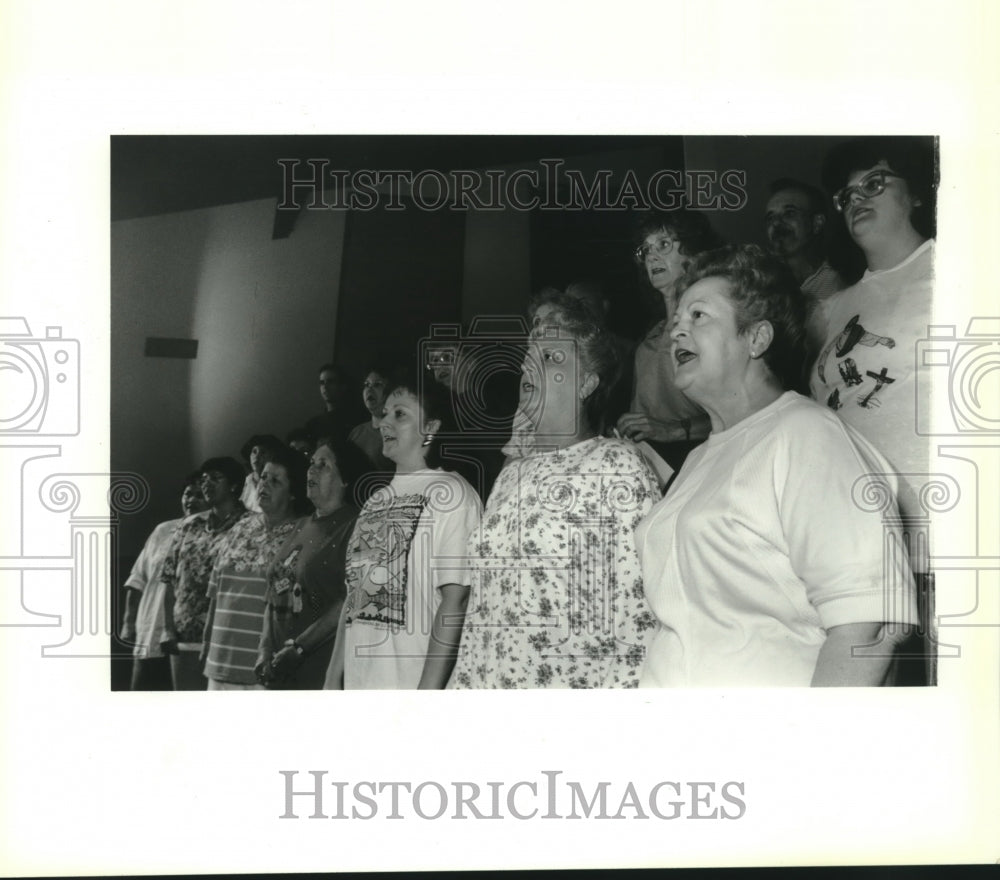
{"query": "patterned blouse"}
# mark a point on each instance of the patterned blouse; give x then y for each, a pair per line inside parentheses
(557, 597)
(238, 583)
(187, 569)
(305, 580)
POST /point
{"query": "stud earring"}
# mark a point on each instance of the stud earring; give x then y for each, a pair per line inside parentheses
(428, 439)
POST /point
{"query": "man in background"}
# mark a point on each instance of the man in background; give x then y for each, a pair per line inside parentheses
(795, 224)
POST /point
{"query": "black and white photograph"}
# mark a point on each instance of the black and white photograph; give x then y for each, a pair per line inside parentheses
(519, 297)
(643, 406)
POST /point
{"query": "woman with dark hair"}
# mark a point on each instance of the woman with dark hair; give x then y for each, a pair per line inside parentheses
(305, 589)
(188, 566)
(143, 618)
(407, 580)
(761, 563)
(557, 594)
(366, 436)
(866, 371)
(660, 413)
(238, 583)
(257, 452)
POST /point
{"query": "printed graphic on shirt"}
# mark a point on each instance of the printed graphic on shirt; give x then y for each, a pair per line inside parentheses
(843, 344)
(882, 379)
(377, 560)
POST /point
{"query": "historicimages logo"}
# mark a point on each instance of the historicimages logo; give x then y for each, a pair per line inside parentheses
(42, 564)
(544, 797)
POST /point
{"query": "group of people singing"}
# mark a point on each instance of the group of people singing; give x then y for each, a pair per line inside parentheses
(739, 524)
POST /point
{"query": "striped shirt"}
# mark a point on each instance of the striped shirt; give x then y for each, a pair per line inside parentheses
(237, 585)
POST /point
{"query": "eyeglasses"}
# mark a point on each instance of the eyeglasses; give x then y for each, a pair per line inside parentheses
(440, 357)
(869, 186)
(662, 246)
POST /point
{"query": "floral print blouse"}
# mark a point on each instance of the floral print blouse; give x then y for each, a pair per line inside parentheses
(187, 569)
(248, 549)
(557, 598)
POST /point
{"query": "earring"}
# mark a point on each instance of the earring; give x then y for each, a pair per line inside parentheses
(428, 439)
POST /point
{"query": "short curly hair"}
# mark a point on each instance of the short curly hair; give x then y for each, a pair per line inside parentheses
(762, 288)
(576, 319)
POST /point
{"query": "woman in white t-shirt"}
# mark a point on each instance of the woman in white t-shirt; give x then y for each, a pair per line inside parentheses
(407, 577)
(867, 369)
(768, 562)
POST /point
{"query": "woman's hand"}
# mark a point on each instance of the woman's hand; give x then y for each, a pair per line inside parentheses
(262, 668)
(638, 426)
(286, 661)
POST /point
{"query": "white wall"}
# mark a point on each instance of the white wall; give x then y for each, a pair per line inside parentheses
(263, 313)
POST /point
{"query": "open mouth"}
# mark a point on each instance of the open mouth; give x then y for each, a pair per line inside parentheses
(683, 356)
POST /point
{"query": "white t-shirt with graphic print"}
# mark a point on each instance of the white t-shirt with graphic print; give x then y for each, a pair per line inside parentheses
(410, 540)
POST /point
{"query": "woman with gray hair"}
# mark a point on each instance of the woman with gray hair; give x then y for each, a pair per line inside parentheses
(557, 596)
(760, 564)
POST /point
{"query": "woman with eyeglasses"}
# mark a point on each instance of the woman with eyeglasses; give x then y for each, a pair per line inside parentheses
(659, 412)
(866, 371)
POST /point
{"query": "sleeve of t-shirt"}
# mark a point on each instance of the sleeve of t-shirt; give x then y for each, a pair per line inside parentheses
(456, 515)
(836, 498)
(142, 570)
